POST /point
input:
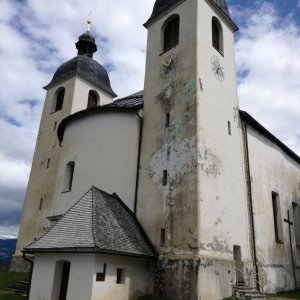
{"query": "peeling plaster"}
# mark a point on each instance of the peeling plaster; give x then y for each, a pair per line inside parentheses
(219, 246)
(182, 159)
(209, 162)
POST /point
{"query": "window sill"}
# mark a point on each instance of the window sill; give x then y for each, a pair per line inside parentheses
(53, 112)
(173, 46)
(63, 192)
(218, 51)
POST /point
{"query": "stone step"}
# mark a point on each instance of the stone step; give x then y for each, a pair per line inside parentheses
(254, 296)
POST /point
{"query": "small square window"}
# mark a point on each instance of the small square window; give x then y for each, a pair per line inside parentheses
(165, 178)
(121, 276)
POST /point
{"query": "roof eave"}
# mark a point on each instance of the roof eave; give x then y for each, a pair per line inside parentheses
(260, 128)
(228, 20)
(89, 111)
(86, 250)
(76, 73)
(151, 20)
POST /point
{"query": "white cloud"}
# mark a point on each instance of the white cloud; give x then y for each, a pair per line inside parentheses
(268, 55)
(9, 232)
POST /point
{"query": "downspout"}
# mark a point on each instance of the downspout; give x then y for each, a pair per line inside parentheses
(30, 276)
(250, 201)
(138, 165)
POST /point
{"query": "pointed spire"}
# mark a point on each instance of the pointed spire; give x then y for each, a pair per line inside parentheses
(86, 44)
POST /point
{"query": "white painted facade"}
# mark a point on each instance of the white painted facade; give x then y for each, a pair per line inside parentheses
(274, 172)
(193, 198)
(82, 280)
(42, 178)
(104, 147)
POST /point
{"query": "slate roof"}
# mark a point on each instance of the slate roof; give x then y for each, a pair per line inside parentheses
(132, 101)
(86, 67)
(162, 5)
(99, 222)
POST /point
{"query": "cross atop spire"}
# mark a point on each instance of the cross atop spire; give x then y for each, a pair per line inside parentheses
(89, 22)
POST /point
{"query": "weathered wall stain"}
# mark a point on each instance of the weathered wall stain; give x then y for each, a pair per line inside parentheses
(219, 246)
(209, 162)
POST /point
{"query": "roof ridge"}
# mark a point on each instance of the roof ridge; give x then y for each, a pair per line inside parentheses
(133, 215)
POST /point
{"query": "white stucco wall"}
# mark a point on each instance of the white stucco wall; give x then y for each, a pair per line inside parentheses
(82, 277)
(222, 201)
(81, 94)
(104, 147)
(41, 182)
(137, 282)
(273, 170)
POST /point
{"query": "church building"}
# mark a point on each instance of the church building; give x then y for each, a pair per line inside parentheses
(171, 191)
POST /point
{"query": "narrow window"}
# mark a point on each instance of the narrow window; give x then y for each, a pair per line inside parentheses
(229, 128)
(165, 177)
(55, 125)
(171, 33)
(277, 218)
(58, 100)
(69, 172)
(121, 276)
(41, 204)
(92, 100)
(48, 163)
(296, 216)
(162, 237)
(167, 120)
(217, 35)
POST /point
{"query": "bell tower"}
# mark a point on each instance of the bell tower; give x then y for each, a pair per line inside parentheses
(78, 84)
(192, 199)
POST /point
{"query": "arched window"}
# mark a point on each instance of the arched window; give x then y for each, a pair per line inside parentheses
(171, 32)
(68, 180)
(58, 100)
(92, 100)
(217, 35)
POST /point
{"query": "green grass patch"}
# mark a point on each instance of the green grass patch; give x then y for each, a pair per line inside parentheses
(290, 295)
(7, 278)
(11, 296)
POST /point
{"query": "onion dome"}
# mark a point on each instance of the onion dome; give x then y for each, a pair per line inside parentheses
(85, 66)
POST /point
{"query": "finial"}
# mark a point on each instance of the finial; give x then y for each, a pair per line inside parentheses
(89, 22)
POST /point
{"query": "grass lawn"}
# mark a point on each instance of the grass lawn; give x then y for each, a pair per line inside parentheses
(7, 278)
(290, 295)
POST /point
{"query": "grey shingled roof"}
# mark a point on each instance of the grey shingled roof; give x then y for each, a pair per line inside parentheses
(132, 101)
(100, 222)
(86, 67)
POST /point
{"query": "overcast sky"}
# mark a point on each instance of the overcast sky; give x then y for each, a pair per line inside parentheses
(37, 36)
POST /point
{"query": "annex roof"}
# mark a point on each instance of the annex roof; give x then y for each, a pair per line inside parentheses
(97, 222)
(132, 101)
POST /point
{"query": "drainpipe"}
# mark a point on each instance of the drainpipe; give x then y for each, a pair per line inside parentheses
(138, 164)
(31, 270)
(250, 200)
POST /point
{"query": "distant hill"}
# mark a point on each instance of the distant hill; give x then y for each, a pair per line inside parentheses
(7, 249)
